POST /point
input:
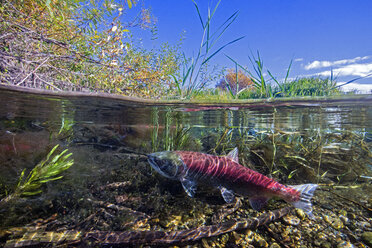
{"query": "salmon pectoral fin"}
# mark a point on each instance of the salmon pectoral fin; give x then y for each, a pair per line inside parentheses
(258, 202)
(189, 186)
(228, 195)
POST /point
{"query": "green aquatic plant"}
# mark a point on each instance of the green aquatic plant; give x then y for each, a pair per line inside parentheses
(308, 87)
(291, 156)
(47, 170)
(261, 87)
(195, 74)
(170, 134)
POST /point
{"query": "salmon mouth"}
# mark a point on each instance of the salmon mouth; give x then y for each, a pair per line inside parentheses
(152, 160)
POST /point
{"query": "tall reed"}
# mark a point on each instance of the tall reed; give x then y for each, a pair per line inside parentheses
(192, 80)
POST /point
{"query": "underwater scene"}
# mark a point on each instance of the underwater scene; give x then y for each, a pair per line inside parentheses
(85, 171)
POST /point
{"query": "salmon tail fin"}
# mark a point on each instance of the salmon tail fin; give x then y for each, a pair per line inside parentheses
(306, 193)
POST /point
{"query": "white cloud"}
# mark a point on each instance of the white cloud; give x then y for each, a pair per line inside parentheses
(361, 88)
(322, 64)
(299, 59)
(360, 70)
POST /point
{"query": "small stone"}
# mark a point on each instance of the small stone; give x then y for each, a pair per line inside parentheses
(344, 219)
(343, 212)
(258, 241)
(322, 236)
(224, 239)
(327, 206)
(274, 245)
(336, 223)
(272, 227)
(364, 224)
(345, 244)
(248, 233)
(236, 237)
(300, 213)
(291, 220)
(367, 238)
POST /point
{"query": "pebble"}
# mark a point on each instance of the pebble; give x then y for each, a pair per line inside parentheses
(335, 222)
(345, 244)
(300, 214)
(274, 245)
(258, 241)
(322, 236)
(364, 224)
(344, 219)
(343, 212)
(291, 220)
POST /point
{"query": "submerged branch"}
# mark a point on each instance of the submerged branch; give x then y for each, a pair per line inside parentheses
(145, 237)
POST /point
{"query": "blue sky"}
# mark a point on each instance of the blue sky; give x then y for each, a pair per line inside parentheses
(317, 35)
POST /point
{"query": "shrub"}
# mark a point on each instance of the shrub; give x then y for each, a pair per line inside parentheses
(83, 46)
(235, 81)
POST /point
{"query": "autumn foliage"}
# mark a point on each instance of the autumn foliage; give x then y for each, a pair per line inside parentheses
(82, 46)
(235, 81)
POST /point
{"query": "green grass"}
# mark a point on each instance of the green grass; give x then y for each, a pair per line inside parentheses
(212, 95)
(308, 87)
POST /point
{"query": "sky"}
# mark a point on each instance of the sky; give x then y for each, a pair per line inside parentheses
(319, 36)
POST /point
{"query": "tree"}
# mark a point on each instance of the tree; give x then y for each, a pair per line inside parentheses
(233, 79)
(83, 46)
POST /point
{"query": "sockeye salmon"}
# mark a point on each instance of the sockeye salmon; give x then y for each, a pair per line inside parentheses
(229, 176)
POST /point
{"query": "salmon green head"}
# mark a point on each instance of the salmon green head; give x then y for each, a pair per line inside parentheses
(168, 164)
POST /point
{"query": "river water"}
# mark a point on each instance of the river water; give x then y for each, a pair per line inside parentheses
(111, 187)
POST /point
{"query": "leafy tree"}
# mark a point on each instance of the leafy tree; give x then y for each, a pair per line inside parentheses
(235, 81)
(83, 46)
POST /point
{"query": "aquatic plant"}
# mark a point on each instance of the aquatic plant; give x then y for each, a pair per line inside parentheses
(308, 87)
(315, 155)
(172, 135)
(194, 75)
(212, 95)
(47, 170)
(262, 88)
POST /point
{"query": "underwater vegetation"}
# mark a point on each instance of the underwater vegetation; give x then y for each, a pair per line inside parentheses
(195, 72)
(47, 170)
(317, 156)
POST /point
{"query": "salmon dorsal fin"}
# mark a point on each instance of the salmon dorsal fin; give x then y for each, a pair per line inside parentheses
(233, 155)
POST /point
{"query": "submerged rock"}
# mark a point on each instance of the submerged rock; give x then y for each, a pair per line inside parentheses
(345, 244)
(335, 222)
(291, 220)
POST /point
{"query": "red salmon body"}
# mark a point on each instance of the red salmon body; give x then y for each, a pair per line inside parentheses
(224, 170)
(225, 173)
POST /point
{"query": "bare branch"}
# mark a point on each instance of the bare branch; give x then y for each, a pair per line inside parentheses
(33, 71)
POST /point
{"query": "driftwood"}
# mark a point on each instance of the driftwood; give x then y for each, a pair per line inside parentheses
(104, 238)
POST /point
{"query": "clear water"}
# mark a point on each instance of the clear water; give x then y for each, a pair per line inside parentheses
(323, 142)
